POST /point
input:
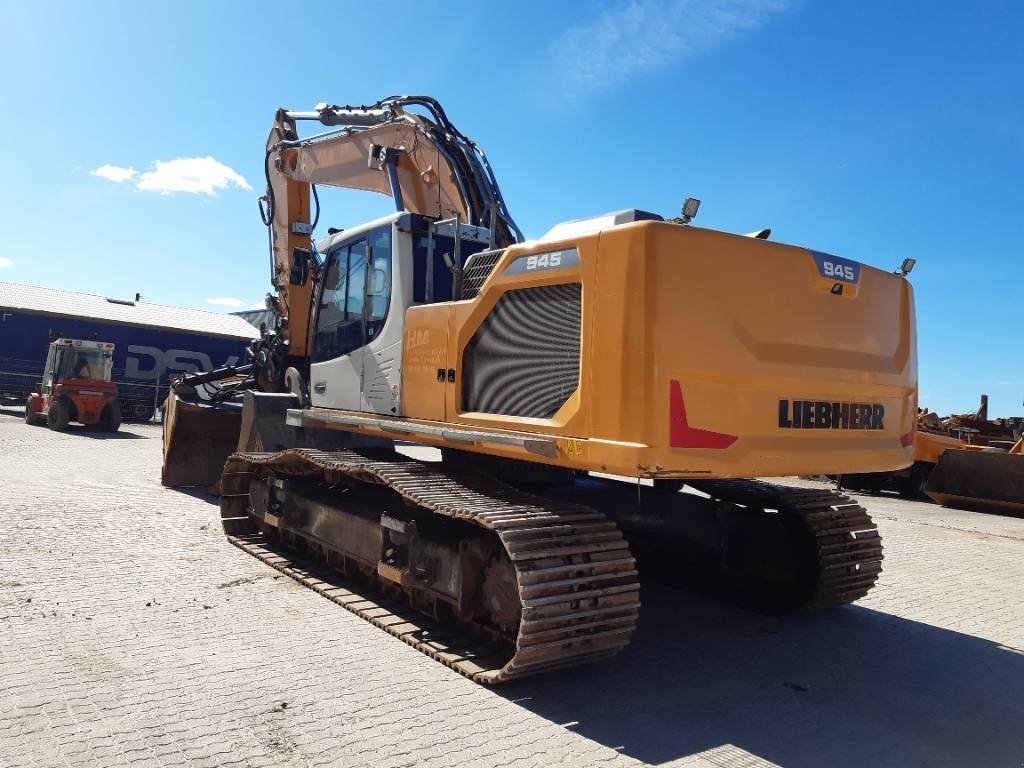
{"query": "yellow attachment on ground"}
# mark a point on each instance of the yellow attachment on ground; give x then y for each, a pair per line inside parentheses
(990, 480)
(198, 438)
(929, 446)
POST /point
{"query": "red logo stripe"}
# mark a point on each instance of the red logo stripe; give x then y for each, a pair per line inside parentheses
(682, 435)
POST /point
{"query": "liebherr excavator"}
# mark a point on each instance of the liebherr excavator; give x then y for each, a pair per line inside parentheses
(559, 377)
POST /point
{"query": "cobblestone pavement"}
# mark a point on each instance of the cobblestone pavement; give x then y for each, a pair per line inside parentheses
(132, 633)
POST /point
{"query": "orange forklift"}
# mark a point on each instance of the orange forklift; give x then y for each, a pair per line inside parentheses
(76, 386)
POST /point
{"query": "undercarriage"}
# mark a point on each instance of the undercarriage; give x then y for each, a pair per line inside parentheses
(501, 573)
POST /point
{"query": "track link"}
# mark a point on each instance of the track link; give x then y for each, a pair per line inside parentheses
(575, 575)
(848, 548)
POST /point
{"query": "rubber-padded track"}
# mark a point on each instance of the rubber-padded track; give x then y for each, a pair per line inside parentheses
(848, 546)
(576, 577)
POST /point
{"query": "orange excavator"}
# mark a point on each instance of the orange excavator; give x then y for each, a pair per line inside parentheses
(602, 397)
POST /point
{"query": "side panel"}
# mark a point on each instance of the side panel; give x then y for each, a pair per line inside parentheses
(424, 373)
(566, 289)
(761, 364)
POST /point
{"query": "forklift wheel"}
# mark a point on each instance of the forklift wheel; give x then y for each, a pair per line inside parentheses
(110, 419)
(58, 416)
(31, 417)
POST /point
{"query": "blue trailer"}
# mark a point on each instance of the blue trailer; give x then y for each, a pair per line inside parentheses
(153, 343)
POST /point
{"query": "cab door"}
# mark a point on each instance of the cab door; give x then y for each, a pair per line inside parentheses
(386, 300)
(49, 370)
(339, 339)
(356, 354)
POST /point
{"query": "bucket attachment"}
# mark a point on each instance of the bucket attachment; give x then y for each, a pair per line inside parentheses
(198, 438)
(984, 480)
(199, 435)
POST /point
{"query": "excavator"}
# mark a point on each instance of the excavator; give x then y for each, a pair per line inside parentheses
(478, 441)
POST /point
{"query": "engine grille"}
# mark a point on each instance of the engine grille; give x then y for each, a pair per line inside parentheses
(524, 360)
(478, 268)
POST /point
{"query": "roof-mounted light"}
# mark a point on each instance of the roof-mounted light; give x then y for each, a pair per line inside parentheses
(906, 267)
(690, 208)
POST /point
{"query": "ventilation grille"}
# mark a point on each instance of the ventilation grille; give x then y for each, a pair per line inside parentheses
(525, 358)
(478, 268)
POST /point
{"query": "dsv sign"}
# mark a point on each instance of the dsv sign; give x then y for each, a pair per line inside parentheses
(152, 363)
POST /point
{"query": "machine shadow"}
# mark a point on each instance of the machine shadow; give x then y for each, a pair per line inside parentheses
(96, 434)
(199, 493)
(79, 429)
(851, 688)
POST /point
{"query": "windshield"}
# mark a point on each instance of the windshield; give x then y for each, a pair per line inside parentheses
(86, 364)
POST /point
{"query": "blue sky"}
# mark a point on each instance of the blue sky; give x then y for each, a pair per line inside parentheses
(872, 130)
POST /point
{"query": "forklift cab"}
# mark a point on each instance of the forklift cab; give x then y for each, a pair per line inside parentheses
(76, 386)
(71, 359)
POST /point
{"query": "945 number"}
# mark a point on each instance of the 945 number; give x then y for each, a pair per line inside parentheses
(543, 261)
(840, 271)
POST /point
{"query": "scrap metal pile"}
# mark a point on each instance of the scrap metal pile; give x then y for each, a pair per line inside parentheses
(975, 428)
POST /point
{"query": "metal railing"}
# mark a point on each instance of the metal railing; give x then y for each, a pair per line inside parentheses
(140, 400)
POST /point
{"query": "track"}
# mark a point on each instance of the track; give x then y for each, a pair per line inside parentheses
(574, 574)
(768, 548)
(780, 550)
(842, 543)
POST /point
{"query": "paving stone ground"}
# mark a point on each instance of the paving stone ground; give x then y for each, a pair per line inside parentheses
(131, 633)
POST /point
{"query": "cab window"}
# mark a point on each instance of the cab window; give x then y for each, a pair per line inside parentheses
(354, 296)
(378, 283)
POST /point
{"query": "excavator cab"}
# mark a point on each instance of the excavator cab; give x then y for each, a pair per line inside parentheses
(372, 275)
(367, 278)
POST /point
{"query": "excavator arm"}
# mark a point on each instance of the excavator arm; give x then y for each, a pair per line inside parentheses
(404, 147)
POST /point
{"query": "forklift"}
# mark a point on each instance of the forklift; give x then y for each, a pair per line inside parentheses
(76, 386)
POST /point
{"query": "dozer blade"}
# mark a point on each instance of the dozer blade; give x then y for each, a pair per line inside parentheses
(982, 480)
(198, 438)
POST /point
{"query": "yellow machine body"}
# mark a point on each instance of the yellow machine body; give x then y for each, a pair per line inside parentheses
(701, 355)
(621, 345)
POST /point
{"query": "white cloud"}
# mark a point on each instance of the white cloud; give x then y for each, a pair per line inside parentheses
(644, 36)
(5, 262)
(195, 175)
(226, 301)
(114, 173)
(198, 175)
(259, 305)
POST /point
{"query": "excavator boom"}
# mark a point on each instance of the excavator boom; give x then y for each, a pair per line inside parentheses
(421, 160)
(402, 146)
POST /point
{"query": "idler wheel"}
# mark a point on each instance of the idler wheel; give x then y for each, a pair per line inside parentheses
(500, 593)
